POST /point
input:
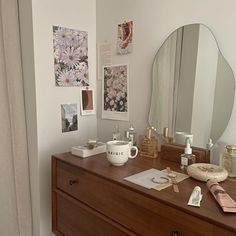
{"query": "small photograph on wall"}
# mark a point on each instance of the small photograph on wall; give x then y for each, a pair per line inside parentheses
(87, 101)
(70, 49)
(125, 37)
(115, 92)
(69, 116)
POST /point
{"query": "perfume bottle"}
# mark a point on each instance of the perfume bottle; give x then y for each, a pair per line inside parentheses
(209, 146)
(187, 158)
(148, 145)
(165, 136)
(116, 133)
(132, 135)
(228, 160)
(127, 138)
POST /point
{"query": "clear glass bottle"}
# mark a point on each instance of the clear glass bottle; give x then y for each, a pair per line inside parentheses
(116, 133)
(228, 160)
(132, 135)
(127, 138)
(165, 137)
(187, 158)
(148, 146)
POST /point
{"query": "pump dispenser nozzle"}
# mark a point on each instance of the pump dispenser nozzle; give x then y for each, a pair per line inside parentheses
(188, 149)
(187, 158)
(209, 144)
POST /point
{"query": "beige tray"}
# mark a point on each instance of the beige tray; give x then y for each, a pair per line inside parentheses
(205, 171)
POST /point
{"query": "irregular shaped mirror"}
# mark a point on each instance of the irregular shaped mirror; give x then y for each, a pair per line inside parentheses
(193, 86)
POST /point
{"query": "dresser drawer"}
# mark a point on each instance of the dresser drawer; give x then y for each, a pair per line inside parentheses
(135, 211)
(76, 219)
(222, 232)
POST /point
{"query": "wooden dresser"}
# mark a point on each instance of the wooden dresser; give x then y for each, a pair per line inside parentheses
(90, 197)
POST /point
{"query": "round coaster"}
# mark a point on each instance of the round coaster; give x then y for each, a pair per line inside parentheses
(205, 171)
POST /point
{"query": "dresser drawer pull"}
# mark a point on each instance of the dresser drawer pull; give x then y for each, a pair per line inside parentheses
(174, 233)
(71, 182)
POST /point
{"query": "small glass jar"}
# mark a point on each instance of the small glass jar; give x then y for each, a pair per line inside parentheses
(228, 160)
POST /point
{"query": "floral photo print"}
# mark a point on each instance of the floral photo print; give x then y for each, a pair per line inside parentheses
(115, 92)
(70, 49)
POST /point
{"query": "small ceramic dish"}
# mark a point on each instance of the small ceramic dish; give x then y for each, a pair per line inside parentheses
(205, 171)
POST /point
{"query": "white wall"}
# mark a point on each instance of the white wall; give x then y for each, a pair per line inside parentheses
(204, 91)
(154, 20)
(186, 86)
(109, 14)
(223, 103)
(43, 98)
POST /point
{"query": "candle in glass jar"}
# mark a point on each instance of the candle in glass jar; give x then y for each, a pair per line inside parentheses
(228, 160)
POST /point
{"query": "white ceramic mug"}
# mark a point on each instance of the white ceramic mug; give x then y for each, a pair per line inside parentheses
(118, 152)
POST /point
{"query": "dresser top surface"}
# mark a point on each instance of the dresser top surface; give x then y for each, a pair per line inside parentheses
(209, 210)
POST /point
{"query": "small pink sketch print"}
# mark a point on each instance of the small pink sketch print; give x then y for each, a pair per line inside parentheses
(125, 37)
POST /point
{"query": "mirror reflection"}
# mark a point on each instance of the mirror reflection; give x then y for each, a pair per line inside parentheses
(193, 86)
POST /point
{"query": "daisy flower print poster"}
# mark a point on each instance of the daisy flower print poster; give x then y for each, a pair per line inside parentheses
(70, 57)
(115, 92)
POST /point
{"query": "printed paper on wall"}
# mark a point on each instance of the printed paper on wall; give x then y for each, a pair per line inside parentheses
(70, 57)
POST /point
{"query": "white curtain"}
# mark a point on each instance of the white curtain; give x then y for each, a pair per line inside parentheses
(15, 201)
(164, 87)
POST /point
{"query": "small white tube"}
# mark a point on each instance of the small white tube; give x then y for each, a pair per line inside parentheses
(195, 197)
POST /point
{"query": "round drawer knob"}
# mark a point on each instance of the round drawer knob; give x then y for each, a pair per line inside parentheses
(174, 233)
(72, 182)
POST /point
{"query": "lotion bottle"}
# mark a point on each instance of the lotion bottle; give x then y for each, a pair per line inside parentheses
(187, 158)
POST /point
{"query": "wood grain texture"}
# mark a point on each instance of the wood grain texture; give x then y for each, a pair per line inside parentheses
(101, 187)
(77, 219)
(134, 211)
(53, 196)
(172, 152)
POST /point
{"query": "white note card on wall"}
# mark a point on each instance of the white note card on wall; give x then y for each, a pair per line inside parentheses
(104, 57)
